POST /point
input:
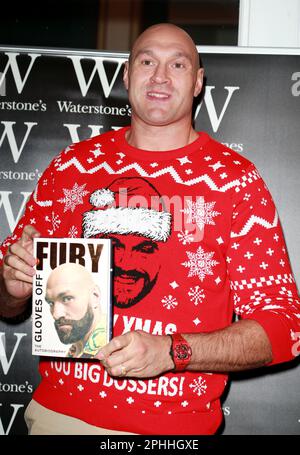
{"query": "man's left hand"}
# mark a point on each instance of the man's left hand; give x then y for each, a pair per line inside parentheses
(137, 354)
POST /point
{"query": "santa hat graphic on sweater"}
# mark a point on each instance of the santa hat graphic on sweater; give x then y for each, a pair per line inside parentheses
(129, 205)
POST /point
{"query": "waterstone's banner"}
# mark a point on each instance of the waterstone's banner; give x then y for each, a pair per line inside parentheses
(52, 98)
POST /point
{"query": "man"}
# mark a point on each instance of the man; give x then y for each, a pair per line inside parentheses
(151, 382)
(74, 301)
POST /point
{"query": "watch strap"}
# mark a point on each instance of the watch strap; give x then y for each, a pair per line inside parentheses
(180, 352)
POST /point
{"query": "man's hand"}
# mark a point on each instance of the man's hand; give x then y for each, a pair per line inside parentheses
(137, 354)
(18, 263)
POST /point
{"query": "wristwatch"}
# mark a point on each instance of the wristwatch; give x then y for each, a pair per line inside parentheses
(181, 352)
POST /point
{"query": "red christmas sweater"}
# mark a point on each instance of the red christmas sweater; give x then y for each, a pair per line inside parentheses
(196, 239)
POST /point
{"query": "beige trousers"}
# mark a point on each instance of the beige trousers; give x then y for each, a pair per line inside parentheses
(41, 420)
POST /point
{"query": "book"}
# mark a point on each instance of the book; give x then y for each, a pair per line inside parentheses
(71, 297)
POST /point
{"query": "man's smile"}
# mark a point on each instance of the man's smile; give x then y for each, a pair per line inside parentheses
(158, 96)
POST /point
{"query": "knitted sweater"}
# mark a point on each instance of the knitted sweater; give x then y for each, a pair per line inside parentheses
(196, 240)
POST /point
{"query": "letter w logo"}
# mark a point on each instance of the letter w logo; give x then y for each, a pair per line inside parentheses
(100, 70)
(16, 408)
(5, 363)
(12, 63)
(9, 133)
(212, 113)
(12, 220)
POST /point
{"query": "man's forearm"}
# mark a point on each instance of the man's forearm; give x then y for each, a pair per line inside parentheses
(240, 346)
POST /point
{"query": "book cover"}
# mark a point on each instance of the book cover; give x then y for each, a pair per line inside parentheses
(71, 297)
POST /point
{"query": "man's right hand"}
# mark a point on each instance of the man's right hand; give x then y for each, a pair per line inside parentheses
(18, 267)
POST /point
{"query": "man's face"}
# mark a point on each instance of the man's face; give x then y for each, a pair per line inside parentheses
(136, 268)
(163, 77)
(70, 306)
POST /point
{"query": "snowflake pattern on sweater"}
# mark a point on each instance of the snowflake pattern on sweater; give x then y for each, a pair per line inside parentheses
(196, 237)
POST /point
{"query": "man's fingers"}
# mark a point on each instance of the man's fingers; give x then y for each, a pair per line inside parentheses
(114, 366)
(120, 358)
(13, 274)
(29, 233)
(14, 264)
(116, 358)
(121, 363)
(116, 344)
(124, 368)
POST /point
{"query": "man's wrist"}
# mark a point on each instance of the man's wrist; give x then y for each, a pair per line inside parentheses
(170, 366)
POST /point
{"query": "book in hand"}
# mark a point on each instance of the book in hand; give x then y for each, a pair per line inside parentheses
(71, 297)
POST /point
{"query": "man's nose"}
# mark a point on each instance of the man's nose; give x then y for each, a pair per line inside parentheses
(160, 74)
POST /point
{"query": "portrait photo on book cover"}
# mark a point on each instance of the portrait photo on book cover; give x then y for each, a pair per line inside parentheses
(71, 301)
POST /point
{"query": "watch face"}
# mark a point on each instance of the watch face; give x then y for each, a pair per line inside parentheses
(183, 351)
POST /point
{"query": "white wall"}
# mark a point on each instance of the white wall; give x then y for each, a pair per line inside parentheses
(269, 23)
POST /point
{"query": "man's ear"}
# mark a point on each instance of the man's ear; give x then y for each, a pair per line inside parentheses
(199, 81)
(125, 75)
(96, 296)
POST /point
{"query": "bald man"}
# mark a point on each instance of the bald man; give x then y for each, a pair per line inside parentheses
(74, 301)
(165, 369)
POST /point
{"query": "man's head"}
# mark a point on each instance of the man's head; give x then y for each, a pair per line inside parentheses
(163, 76)
(74, 301)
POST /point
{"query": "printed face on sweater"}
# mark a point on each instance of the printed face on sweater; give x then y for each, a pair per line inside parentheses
(132, 213)
(163, 76)
(73, 298)
(136, 268)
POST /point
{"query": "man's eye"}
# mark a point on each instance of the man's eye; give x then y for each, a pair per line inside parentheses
(50, 303)
(178, 65)
(67, 298)
(147, 62)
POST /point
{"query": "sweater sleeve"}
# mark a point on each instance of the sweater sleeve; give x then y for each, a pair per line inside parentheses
(262, 283)
(38, 211)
